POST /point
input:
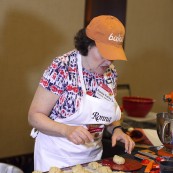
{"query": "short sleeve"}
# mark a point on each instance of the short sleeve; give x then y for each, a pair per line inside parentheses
(55, 76)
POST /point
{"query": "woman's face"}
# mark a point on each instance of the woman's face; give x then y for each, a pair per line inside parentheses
(97, 63)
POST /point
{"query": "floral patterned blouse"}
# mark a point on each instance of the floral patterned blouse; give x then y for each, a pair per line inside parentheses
(62, 78)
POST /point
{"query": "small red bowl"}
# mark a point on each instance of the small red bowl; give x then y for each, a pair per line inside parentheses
(137, 106)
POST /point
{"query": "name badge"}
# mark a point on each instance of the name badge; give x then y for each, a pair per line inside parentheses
(104, 92)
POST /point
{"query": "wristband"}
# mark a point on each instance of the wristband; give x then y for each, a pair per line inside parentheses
(116, 127)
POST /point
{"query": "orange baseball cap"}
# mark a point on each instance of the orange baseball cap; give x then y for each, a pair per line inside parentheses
(108, 33)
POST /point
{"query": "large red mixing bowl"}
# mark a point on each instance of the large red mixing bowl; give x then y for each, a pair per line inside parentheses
(137, 106)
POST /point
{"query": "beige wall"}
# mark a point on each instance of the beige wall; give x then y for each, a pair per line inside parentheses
(149, 40)
(32, 33)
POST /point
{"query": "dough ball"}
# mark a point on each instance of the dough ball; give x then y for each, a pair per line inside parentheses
(94, 165)
(104, 169)
(118, 160)
(77, 169)
(36, 172)
(85, 171)
(130, 129)
(55, 170)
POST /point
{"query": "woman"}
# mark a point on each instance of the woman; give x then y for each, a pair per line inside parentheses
(75, 99)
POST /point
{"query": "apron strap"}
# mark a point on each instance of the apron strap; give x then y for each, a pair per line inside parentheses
(79, 61)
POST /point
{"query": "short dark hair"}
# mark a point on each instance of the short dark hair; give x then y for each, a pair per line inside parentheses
(82, 42)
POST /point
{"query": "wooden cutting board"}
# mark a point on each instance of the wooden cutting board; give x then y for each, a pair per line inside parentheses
(129, 165)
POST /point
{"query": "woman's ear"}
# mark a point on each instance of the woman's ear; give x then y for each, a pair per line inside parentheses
(89, 47)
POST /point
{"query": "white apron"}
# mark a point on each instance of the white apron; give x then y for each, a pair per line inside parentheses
(93, 114)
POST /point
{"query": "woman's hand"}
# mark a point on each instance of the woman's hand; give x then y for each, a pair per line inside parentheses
(78, 134)
(119, 135)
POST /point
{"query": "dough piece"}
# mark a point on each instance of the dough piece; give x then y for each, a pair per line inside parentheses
(104, 169)
(118, 160)
(55, 170)
(77, 169)
(94, 165)
(85, 171)
(118, 172)
(36, 172)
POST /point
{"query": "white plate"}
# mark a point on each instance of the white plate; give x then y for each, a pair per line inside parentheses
(151, 116)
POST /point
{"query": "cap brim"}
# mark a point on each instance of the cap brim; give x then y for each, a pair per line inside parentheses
(111, 52)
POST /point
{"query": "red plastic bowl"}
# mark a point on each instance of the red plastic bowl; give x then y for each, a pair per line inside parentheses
(137, 106)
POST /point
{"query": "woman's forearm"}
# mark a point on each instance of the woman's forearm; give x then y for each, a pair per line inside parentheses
(45, 125)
